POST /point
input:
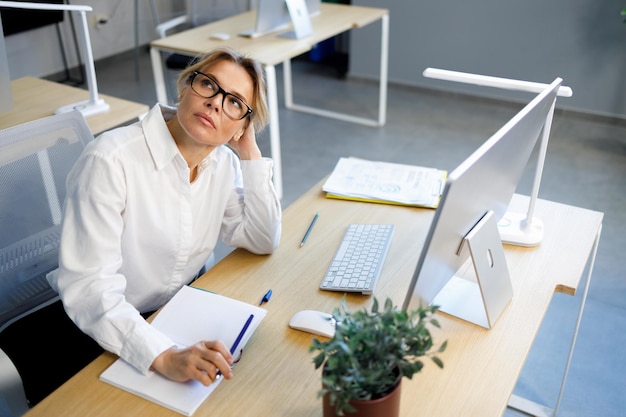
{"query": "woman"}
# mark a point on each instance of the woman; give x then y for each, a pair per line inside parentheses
(146, 204)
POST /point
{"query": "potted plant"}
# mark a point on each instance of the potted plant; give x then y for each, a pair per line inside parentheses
(369, 355)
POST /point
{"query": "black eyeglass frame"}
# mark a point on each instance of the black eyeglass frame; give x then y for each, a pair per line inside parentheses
(225, 93)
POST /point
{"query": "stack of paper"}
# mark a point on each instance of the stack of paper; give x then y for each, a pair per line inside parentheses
(190, 316)
(385, 182)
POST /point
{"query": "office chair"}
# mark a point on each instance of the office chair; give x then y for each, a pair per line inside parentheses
(40, 347)
(197, 13)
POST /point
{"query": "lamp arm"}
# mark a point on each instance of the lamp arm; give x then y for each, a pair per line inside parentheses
(95, 104)
(527, 231)
(90, 68)
(495, 82)
(543, 149)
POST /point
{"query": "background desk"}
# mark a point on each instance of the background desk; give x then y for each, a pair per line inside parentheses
(34, 98)
(276, 376)
(271, 50)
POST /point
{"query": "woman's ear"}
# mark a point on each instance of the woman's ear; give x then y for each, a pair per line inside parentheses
(181, 93)
(239, 134)
(245, 127)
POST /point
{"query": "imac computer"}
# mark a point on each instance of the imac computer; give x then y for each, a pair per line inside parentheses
(273, 16)
(464, 228)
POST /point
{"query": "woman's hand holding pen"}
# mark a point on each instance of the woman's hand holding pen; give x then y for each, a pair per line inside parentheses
(245, 145)
(200, 362)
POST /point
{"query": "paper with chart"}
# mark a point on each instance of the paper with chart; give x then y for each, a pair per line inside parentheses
(385, 182)
(190, 316)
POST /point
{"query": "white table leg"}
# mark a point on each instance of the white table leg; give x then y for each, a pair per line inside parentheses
(384, 58)
(382, 95)
(538, 410)
(287, 84)
(159, 76)
(272, 99)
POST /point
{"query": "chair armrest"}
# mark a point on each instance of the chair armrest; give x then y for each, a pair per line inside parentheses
(171, 24)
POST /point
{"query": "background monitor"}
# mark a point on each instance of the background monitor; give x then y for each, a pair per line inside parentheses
(273, 16)
(484, 182)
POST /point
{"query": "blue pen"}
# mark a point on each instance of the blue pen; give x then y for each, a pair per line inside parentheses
(241, 333)
(266, 297)
(233, 349)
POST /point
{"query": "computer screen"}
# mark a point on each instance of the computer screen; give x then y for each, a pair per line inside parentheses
(485, 181)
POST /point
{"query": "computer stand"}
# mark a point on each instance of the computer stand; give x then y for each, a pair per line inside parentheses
(482, 301)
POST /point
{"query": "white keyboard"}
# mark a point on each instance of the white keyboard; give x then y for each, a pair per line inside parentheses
(359, 259)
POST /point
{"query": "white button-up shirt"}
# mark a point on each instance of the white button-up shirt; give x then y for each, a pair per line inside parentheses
(135, 229)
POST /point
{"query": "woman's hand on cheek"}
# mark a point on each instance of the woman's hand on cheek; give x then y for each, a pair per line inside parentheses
(245, 144)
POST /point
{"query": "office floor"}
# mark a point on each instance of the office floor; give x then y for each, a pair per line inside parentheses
(585, 166)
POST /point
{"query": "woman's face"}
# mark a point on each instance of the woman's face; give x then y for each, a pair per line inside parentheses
(203, 119)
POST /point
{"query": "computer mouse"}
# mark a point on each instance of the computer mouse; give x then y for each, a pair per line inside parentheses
(220, 36)
(314, 322)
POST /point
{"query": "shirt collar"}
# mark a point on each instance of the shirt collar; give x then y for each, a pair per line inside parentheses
(160, 142)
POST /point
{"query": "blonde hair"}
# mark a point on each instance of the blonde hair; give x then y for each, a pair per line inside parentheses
(260, 112)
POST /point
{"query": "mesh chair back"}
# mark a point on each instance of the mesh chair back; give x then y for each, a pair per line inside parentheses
(35, 159)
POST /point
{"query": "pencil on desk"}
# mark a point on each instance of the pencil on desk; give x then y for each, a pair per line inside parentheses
(308, 231)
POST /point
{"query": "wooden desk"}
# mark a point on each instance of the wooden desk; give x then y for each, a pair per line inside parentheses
(276, 376)
(272, 50)
(34, 98)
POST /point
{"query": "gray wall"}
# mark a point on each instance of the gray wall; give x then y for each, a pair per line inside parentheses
(581, 41)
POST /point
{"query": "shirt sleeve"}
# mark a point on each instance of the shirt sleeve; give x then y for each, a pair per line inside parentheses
(88, 280)
(252, 219)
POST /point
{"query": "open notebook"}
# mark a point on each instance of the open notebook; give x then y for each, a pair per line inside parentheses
(191, 315)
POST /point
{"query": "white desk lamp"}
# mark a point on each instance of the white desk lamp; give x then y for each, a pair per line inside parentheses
(515, 228)
(95, 104)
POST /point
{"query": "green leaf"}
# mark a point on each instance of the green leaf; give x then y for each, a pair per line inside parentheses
(375, 306)
(443, 346)
(319, 360)
(437, 361)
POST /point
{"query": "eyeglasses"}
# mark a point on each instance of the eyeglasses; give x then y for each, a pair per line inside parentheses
(205, 86)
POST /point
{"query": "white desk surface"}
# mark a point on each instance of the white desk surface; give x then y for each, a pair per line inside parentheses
(35, 98)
